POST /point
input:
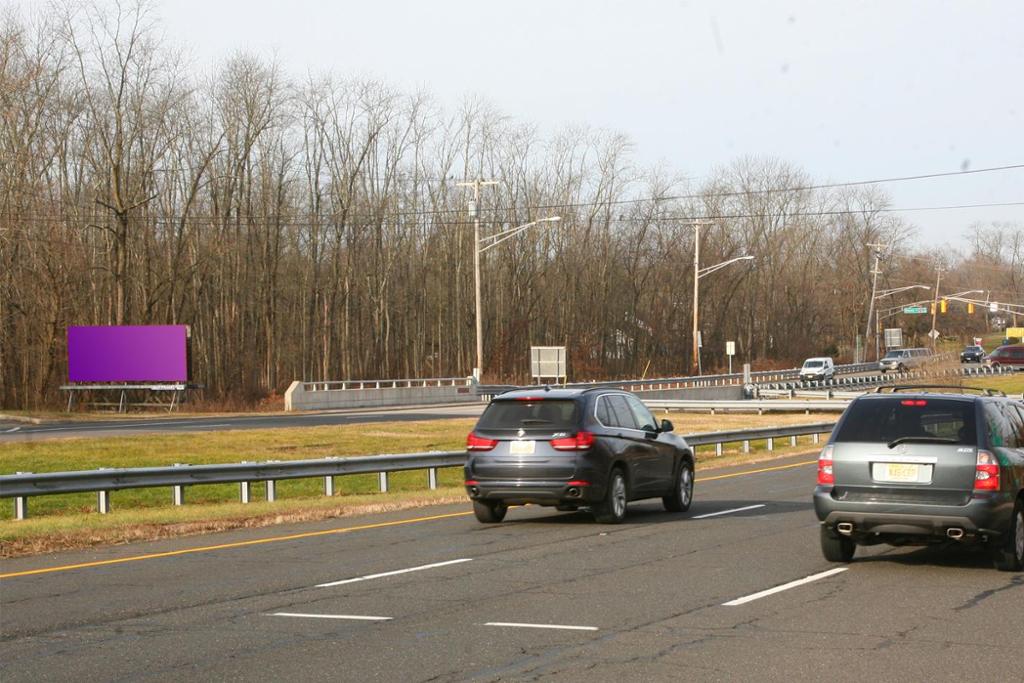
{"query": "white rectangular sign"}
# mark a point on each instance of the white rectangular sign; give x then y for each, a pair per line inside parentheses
(548, 361)
(730, 348)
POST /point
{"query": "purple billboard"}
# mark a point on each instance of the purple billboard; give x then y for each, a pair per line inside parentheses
(128, 353)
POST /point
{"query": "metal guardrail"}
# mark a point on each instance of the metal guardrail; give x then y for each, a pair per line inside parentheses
(22, 485)
(758, 406)
(360, 384)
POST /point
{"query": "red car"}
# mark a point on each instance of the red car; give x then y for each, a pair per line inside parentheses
(1010, 356)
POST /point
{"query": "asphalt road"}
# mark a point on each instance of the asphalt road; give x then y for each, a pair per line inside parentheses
(646, 600)
(18, 431)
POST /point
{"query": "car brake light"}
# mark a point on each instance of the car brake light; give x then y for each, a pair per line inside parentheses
(917, 403)
(479, 443)
(580, 441)
(825, 475)
(529, 398)
(986, 472)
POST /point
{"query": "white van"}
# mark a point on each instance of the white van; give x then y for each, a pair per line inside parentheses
(818, 369)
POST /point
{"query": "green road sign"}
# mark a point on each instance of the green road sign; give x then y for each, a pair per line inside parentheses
(915, 309)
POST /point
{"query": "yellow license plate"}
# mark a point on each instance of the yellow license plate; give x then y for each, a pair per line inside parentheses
(522, 447)
(900, 471)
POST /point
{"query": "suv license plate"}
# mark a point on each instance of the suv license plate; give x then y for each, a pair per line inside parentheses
(522, 447)
(899, 472)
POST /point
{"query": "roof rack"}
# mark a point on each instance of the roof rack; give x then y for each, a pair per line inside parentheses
(925, 387)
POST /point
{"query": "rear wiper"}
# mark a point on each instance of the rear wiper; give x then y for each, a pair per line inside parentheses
(534, 421)
(921, 439)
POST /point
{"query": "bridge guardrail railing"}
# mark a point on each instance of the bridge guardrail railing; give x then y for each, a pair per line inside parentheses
(23, 485)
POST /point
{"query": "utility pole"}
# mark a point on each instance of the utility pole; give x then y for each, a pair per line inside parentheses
(871, 305)
(696, 293)
(474, 213)
(935, 305)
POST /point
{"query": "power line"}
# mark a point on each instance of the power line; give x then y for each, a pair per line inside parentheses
(703, 195)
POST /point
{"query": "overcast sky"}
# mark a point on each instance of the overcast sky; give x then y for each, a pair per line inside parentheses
(846, 90)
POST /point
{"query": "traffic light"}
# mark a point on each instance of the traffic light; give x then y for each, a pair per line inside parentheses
(943, 305)
(970, 309)
(933, 308)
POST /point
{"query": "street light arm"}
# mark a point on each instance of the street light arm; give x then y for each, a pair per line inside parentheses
(897, 290)
(512, 232)
(718, 266)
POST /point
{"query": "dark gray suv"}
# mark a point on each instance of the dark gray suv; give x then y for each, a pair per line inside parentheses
(572, 448)
(917, 466)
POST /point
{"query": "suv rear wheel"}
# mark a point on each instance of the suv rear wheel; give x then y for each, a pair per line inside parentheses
(1010, 558)
(612, 510)
(489, 512)
(836, 548)
(682, 493)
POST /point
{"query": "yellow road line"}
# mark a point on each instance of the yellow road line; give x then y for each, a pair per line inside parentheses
(325, 532)
(765, 469)
(238, 544)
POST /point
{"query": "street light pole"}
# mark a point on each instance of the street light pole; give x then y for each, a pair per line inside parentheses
(695, 363)
(878, 326)
(474, 212)
(698, 273)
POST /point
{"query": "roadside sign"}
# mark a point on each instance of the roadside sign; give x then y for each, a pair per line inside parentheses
(700, 340)
(993, 307)
(934, 334)
(548, 361)
(730, 348)
(915, 310)
(893, 338)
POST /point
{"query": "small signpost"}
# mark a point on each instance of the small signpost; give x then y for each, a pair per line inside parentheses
(934, 334)
(730, 350)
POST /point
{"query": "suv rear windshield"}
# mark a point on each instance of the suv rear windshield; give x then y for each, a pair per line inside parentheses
(546, 414)
(888, 419)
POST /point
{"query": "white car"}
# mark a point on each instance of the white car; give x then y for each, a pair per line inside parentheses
(818, 369)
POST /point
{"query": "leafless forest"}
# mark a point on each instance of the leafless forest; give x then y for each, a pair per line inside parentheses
(311, 228)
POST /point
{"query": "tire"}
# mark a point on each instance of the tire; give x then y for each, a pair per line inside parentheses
(1010, 557)
(612, 510)
(489, 512)
(682, 490)
(836, 548)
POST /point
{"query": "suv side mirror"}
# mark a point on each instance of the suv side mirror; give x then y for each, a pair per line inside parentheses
(666, 426)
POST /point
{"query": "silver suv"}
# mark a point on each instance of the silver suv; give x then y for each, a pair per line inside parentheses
(917, 466)
(901, 360)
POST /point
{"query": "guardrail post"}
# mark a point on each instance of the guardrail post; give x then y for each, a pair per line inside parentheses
(21, 503)
(329, 485)
(178, 491)
(718, 448)
(245, 491)
(20, 507)
(746, 445)
(271, 490)
(432, 477)
(816, 438)
(103, 502)
(382, 478)
(792, 439)
(771, 443)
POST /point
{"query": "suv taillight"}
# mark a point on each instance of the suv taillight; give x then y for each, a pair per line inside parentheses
(986, 472)
(580, 441)
(479, 443)
(825, 475)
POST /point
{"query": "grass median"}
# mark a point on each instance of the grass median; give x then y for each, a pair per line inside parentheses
(70, 521)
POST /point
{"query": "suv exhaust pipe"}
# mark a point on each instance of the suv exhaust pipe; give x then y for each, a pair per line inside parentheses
(845, 528)
(955, 533)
